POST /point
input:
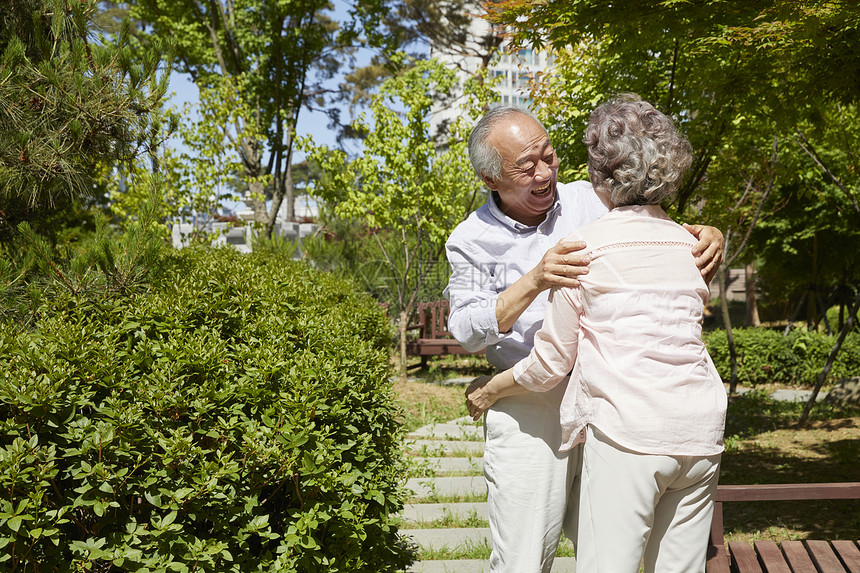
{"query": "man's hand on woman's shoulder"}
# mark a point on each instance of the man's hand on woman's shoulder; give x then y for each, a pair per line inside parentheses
(708, 251)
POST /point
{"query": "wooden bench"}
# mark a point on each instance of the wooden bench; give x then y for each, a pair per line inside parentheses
(838, 556)
(434, 338)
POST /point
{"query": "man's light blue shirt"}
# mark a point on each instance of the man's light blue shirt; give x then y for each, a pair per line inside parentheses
(489, 251)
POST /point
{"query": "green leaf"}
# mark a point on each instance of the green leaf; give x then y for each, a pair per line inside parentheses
(14, 523)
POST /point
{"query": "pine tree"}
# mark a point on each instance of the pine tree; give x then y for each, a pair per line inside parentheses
(71, 100)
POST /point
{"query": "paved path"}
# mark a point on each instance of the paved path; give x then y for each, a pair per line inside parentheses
(451, 454)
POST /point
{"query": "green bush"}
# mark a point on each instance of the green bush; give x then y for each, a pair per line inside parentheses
(767, 356)
(235, 416)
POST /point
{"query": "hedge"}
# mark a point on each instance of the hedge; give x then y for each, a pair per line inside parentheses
(237, 416)
(796, 359)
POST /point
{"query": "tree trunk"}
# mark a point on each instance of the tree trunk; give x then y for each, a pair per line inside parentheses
(404, 316)
(830, 360)
(811, 302)
(258, 201)
(752, 303)
(722, 277)
(289, 196)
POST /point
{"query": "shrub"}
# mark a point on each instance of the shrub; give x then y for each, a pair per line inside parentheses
(766, 356)
(237, 416)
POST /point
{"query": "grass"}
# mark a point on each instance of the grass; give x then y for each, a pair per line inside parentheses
(479, 550)
(424, 403)
(443, 450)
(451, 520)
(422, 467)
(434, 497)
(457, 366)
(764, 445)
(469, 549)
(424, 400)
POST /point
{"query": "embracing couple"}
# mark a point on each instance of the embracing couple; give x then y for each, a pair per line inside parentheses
(605, 417)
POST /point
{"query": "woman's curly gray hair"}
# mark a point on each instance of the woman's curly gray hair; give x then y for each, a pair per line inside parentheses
(635, 154)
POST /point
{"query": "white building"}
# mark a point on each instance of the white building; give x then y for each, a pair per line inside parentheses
(513, 70)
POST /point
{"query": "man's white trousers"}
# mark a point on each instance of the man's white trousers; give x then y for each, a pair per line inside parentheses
(529, 482)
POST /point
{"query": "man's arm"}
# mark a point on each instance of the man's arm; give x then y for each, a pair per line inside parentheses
(559, 267)
(708, 251)
(562, 264)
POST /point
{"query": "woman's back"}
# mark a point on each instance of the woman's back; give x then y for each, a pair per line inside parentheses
(647, 380)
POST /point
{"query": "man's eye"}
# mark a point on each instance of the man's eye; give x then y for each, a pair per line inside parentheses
(549, 158)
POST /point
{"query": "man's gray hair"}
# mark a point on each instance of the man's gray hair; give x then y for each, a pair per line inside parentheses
(634, 152)
(486, 159)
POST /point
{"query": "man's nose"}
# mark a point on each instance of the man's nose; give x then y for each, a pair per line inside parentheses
(543, 170)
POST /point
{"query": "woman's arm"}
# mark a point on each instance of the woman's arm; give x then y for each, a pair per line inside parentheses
(549, 362)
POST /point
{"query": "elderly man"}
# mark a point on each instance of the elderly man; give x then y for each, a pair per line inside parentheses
(497, 298)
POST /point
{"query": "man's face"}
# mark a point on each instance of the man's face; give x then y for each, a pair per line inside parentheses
(527, 186)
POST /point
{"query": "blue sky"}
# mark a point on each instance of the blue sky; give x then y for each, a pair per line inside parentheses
(313, 123)
(310, 123)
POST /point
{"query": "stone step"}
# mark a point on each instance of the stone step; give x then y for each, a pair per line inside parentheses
(447, 486)
(451, 538)
(453, 430)
(561, 565)
(426, 512)
(436, 448)
(441, 466)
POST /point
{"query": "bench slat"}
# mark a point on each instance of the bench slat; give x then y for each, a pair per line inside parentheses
(797, 557)
(788, 492)
(849, 553)
(744, 558)
(427, 347)
(824, 557)
(771, 557)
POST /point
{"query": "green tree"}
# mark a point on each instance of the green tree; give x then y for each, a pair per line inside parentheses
(409, 193)
(200, 174)
(743, 214)
(715, 66)
(808, 243)
(272, 56)
(71, 102)
(725, 69)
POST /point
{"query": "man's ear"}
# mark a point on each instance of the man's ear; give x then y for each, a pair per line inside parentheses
(489, 182)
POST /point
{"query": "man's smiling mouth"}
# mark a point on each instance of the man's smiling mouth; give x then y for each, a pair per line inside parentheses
(542, 191)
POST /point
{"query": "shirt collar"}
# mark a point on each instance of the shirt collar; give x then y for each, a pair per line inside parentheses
(515, 225)
(651, 211)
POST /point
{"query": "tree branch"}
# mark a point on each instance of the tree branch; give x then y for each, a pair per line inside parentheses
(216, 45)
(229, 38)
(671, 94)
(751, 226)
(807, 147)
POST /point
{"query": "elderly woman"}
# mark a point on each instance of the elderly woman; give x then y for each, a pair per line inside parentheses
(644, 395)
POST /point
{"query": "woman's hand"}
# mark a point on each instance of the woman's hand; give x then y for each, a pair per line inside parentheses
(484, 391)
(478, 399)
